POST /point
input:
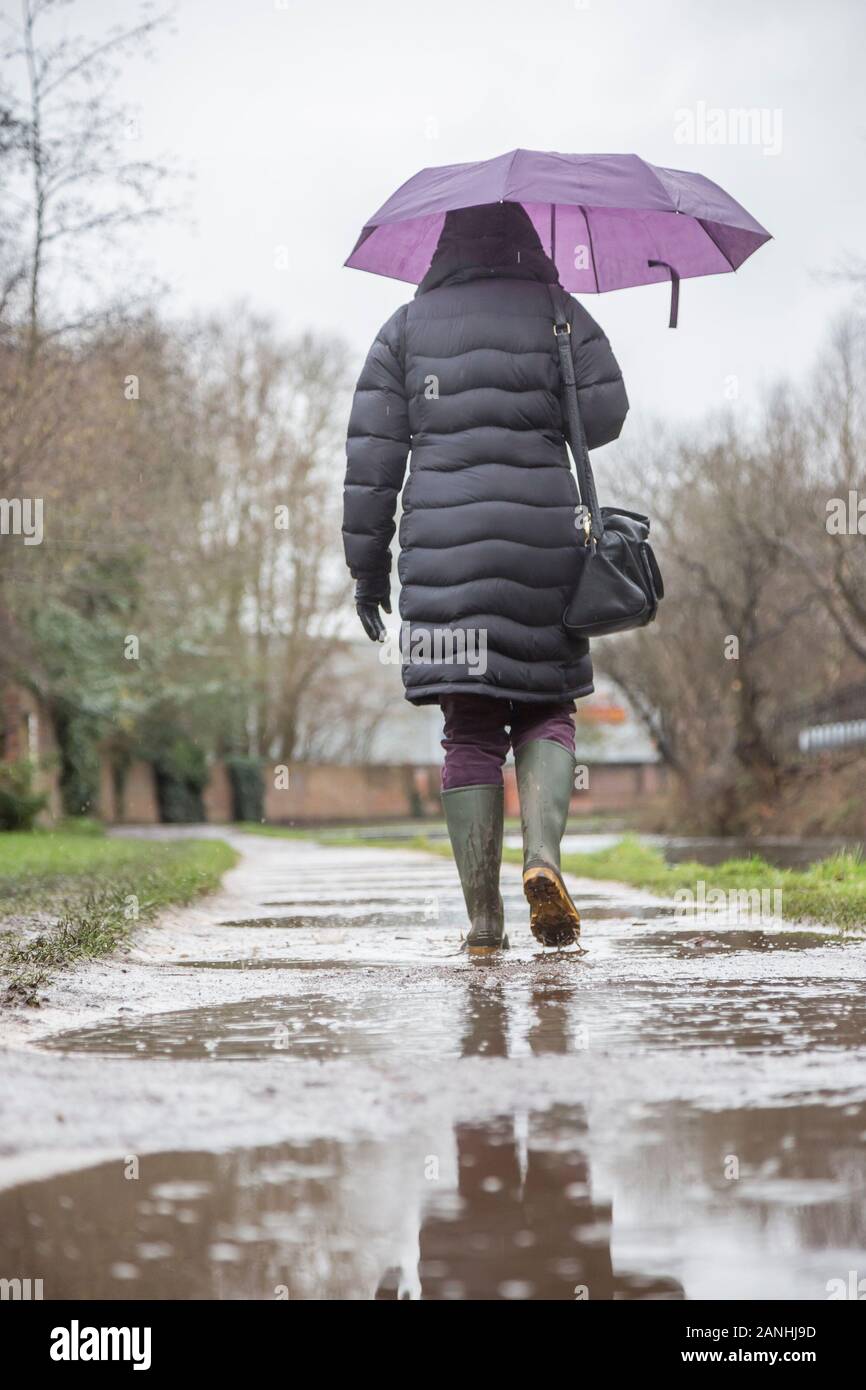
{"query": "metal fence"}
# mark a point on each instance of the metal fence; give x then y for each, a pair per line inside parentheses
(836, 721)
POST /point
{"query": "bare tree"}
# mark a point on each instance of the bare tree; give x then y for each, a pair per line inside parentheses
(273, 414)
(78, 187)
(738, 636)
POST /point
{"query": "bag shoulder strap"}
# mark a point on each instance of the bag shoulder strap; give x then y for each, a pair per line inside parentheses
(593, 524)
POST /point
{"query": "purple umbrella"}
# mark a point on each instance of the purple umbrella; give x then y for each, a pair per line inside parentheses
(608, 221)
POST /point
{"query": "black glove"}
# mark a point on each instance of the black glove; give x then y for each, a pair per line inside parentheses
(371, 592)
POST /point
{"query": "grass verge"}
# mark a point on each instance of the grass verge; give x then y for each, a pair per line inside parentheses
(74, 894)
(831, 891)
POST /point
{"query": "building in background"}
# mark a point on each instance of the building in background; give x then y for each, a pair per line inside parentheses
(620, 761)
(371, 756)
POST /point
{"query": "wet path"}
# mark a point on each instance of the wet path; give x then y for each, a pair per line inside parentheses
(308, 1092)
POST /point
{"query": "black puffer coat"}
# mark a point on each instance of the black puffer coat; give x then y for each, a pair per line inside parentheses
(467, 377)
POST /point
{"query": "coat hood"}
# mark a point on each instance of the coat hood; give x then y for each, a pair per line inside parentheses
(490, 239)
(487, 537)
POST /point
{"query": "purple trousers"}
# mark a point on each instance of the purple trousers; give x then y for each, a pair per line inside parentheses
(480, 729)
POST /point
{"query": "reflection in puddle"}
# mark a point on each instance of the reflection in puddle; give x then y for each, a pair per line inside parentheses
(376, 1011)
(774, 1019)
(503, 1208)
(522, 1223)
(327, 921)
(316, 1025)
(783, 852)
(636, 913)
(766, 1202)
(499, 1210)
(364, 1019)
(263, 963)
(647, 1193)
(709, 940)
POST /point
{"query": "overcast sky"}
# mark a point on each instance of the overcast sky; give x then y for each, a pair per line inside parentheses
(297, 119)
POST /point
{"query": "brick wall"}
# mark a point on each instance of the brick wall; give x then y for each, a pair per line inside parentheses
(28, 733)
(318, 792)
(619, 787)
(217, 796)
(611, 787)
(140, 806)
(326, 792)
(315, 792)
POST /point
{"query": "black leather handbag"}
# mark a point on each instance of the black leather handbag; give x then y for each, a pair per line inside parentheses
(620, 584)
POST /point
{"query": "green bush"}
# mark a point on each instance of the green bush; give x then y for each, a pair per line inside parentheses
(248, 788)
(181, 776)
(19, 803)
(78, 736)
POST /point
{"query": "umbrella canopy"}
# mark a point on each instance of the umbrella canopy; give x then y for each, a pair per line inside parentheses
(607, 221)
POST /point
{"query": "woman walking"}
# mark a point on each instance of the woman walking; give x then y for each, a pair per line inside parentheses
(467, 377)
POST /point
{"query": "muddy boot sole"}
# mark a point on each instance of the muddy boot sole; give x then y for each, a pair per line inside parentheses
(486, 949)
(553, 918)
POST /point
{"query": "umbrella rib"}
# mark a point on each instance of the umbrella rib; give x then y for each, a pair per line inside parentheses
(585, 212)
(702, 224)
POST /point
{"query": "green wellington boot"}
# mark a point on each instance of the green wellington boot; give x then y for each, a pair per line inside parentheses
(474, 817)
(545, 777)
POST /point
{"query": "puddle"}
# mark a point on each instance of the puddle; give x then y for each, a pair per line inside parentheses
(708, 940)
(329, 921)
(507, 1208)
(635, 1189)
(780, 851)
(262, 963)
(599, 911)
(542, 1005)
(496, 1210)
(320, 1025)
(398, 902)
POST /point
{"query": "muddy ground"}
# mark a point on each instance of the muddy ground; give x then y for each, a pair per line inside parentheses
(301, 1088)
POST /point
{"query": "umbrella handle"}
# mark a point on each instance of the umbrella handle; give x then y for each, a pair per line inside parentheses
(675, 291)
